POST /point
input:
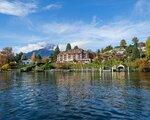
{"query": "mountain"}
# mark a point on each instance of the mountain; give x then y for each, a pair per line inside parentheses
(43, 52)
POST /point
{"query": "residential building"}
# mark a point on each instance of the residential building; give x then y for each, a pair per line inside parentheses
(27, 62)
(74, 55)
(142, 47)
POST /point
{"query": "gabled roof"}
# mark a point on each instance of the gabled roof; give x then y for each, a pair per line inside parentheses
(72, 51)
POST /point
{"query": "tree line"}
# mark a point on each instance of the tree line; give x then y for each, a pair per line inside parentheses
(133, 55)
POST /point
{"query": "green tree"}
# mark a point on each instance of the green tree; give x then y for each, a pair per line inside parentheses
(55, 53)
(135, 50)
(18, 57)
(108, 48)
(76, 47)
(39, 57)
(148, 48)
(135, 41)
(98, 52)
(7, 50)
(129, 50)
(102, 50)
(57, 50)
(135, 53)
(68, 47)
(123, 43)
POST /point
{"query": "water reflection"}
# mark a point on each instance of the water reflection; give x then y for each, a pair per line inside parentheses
(75, 95)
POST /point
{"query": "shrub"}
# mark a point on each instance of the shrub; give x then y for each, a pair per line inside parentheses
(5, 67)
(143, 65)
(39, 69)
(27, 68)
(13, 65)
(62, 66)
(47, 66)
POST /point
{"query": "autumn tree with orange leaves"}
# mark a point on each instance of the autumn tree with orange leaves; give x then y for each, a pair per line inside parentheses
(6, 56)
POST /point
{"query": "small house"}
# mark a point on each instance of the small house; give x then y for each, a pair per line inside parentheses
(26, 62)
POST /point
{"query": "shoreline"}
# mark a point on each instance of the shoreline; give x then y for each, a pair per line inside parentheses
(72, 70)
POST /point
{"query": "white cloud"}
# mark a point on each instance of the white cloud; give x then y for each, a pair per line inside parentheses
(142, 7)
(16, 8)
(40, 45)
(92, 35)
(34, 46)
(31, 47)
(85, 35)
(53, 6)
(97, 35)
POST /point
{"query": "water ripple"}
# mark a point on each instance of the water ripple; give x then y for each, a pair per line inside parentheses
(72, 96)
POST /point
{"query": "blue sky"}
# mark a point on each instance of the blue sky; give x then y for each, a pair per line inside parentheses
(27, 25)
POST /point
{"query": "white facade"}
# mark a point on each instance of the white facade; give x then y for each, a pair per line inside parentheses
(26, 62)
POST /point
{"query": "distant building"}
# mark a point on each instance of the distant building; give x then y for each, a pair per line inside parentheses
(26, 62)
(119, 68)
(119, 52)
(74, 55)
(142, 47)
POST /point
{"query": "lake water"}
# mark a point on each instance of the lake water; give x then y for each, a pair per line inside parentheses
(74, 96)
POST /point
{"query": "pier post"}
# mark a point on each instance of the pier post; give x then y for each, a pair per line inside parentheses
(100, 71)
(128, 73)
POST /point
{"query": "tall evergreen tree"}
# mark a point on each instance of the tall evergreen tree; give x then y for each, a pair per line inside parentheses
(57, 50)
(135, 53)
(135, 41)
(98, 51)
(55, 53)
(129, 50)
(68, 47)
(135, 50)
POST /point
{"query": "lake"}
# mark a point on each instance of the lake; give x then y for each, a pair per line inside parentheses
(74, 96)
